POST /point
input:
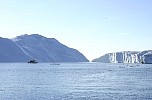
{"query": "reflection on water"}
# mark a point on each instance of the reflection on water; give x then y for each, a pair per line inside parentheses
(75, 81)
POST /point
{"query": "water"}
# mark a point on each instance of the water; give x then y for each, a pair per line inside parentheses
(75, 81)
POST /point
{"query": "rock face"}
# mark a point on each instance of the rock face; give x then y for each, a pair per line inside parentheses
(10, 52)
(126, 57)
(47, 49)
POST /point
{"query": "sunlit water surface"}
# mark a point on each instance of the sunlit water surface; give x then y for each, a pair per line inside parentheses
(75, 81)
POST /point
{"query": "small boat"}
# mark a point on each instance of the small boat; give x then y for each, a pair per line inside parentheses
(121, 66)
(32, 61)
(55, 64)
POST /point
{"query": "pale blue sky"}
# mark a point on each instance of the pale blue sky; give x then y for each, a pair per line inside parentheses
(94, 27)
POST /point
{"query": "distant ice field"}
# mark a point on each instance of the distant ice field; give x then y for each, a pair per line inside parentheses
(75, 81)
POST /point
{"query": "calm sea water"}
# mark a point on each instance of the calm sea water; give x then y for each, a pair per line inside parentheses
(75, 81)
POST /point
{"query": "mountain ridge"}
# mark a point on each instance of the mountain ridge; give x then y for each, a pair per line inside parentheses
(41, 48)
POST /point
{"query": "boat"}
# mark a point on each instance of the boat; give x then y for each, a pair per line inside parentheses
(55, 64)
(32, 61)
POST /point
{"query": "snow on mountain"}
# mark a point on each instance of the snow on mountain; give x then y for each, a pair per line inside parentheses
(126, 57)
(10, 52)
(47, 49)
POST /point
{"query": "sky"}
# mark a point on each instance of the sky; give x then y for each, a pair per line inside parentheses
(94, 27)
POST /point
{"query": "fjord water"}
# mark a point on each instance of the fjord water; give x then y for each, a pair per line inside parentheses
(75, 81)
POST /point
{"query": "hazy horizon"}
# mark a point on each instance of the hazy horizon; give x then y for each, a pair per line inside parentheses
(93, 27)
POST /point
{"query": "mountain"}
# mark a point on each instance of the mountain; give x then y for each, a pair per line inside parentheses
(47, 49)
(126, 57)
(10, 52)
